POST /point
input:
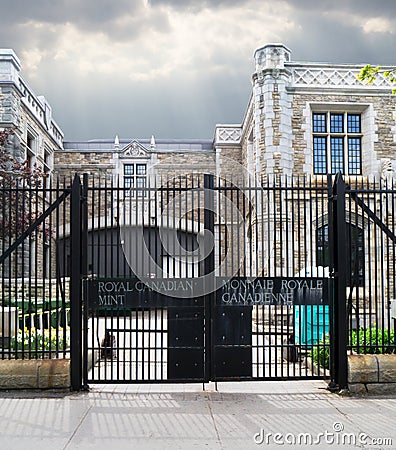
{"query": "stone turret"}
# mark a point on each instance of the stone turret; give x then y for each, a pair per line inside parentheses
(271, 56)
(272, 111)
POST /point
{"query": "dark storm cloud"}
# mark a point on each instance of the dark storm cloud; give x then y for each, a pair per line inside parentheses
(105, 16)
(197, 5)
(86, 12)
(324, 37)
(149, 77)
(379, 8)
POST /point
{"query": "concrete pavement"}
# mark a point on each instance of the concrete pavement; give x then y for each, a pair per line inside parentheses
(273, 414)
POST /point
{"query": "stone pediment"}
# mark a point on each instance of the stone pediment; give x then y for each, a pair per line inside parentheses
(136, 150)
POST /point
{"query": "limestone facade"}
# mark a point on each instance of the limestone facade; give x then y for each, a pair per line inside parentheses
(37, 135)
(275, 138)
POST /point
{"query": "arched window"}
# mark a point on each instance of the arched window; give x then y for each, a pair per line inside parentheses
(355, 252)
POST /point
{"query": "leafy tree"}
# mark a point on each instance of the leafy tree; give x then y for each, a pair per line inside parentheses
(369, 74)
(18, 181)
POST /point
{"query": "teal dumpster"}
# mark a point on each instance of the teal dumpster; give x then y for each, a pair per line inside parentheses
(311, 324)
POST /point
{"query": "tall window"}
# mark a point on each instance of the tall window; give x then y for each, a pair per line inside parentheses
(135, 179)
(30, 142)
(337, 143)
(47, 168)
(355, 252)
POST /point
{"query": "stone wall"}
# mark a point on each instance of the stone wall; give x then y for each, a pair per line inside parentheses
(372, 374)
(95, 164)
(35, 374)
(284, 93)
(99, 164)
(9, 105)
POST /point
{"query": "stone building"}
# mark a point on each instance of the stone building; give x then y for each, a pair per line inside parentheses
(37, 135)
(310, 118)
(266, 205)
(35, 139)
(302, 119)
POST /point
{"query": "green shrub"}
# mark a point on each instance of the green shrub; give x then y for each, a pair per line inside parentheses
(320, 354)
(373, 341)
(370, 341)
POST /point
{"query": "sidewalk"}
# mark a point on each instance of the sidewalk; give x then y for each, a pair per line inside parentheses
(183, 416)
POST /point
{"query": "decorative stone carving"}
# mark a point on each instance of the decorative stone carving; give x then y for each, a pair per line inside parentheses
(229, 135)
(116, 143)
(153, 144)
(135, 150)
(387, 171)
(317, 76)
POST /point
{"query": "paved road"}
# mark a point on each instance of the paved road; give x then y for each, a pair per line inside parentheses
(237, 416)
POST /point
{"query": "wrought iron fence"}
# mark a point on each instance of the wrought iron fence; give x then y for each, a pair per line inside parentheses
(221, 234)
(34, 297)
(371, 263)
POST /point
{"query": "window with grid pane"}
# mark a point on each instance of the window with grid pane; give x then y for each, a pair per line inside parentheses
(354, 123)
(135, 179)
(336, 123)
(337, 143)
(129, 169)
(320, 155)
(140, 169)
(337, 154)
(354, 156)
(319, 123)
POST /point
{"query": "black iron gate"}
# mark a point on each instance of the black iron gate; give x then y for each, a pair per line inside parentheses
(198, 279)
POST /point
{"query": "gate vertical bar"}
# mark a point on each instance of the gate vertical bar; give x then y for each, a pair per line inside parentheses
(75, 287)
(339, 318)
(330, 215)
(208, 272)
(84, 273)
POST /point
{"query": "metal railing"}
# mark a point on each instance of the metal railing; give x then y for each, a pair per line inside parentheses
(199, 232)
(34, 298)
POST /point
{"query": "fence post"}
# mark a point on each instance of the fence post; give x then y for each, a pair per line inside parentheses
(75, 287)
(337, 246)
(84, 274)
(208, 272)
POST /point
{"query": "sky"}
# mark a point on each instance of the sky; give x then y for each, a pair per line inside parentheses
(176, 68)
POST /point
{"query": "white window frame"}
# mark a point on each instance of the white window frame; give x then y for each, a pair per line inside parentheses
(344, 136)
(135, 177)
